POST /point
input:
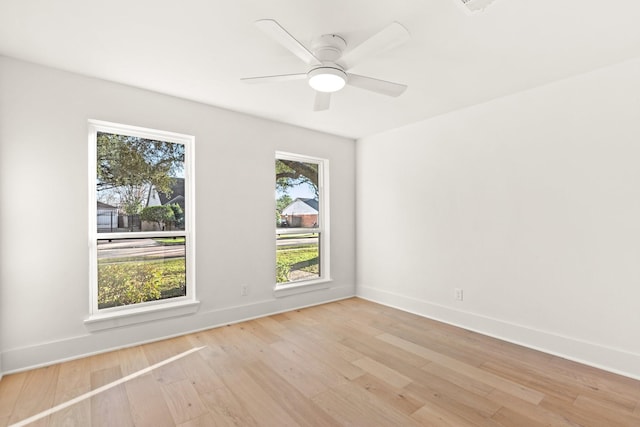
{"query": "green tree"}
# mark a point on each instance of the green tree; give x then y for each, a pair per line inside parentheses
(290, 173)
(128, 283)
(281, 203)
(178, 214)
(129, 166)
(161, 215)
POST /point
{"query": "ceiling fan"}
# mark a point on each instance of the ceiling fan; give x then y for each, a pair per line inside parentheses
(328, 65)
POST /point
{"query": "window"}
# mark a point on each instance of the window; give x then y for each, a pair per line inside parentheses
(141, 219)
(302, 223)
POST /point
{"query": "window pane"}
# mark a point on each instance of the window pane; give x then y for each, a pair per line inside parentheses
(132, 271)
(139, 184)
(297, 201)
(297, 257)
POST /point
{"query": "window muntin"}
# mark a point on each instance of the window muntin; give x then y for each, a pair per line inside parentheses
(301, 220)
(141, 217)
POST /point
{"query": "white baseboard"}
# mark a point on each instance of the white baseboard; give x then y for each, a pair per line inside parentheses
(21, 359)
(592, 354)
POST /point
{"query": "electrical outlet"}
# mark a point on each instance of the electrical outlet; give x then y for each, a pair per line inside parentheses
(244, 290)
(459, 295)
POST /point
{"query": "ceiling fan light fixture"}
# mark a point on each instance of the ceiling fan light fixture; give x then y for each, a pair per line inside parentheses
(327, 79)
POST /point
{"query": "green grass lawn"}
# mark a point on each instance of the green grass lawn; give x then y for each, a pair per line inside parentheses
(288, 257)
(134, 282)
(170, 240)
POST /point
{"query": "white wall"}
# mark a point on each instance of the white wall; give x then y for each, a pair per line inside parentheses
(43, 169)
(529, 203)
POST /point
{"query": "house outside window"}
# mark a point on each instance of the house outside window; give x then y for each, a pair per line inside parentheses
(141, 219)
(302, 222)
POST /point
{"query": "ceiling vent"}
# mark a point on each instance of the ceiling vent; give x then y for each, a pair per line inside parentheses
(474, 5)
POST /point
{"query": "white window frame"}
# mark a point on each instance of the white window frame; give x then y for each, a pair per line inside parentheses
(151, 310)
(322, 282)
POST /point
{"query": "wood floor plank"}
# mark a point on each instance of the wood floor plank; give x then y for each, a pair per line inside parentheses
(336, 355)
(529, 410)
(239, 342)
(594, 378)
(101, 361)
(454, 377)
(74, 379)
(385, 353)
(259, 403)
(78, 415)
(347, 413)
(183, 401)
(262, 332)
(298, 406)
(579, 417)
(508, 417)
(397, 398)
(439, 341)
(619, 415)
(205, 420)
(347, 404)
(147, 402)
(10, 387)
(36, 394)
(307, 383)
(132, 360)
(229, 357)
(449, 396)
(160, 351)
(488, 378)
(549, 388)
(225, 408)
(382, 372)
(351, 329)
(270, 324)
(312, 366)
(213, 353)
(203, 378)
(323, 337)
(431, 383)
(431, 414)
(111, 407)
(444, 405)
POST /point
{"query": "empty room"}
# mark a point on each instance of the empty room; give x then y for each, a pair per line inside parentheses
(320, 213)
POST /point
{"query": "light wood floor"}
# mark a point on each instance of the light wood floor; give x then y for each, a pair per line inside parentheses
(346, 363)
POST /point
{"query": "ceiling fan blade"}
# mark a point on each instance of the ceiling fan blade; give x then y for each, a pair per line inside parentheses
(282, 36)
(275, 79)
(322, 101)
(391, 36)
(382, 87)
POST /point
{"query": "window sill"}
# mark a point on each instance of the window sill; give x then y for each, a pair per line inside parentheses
(115, 319)
(298, 288)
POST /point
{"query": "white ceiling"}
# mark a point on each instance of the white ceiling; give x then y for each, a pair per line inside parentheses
(199, 49)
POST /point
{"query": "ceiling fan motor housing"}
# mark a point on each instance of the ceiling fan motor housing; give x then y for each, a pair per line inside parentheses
(329, 47)
(330, 76)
